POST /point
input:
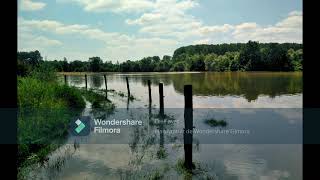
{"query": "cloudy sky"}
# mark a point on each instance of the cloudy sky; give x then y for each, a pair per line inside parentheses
(132, 29)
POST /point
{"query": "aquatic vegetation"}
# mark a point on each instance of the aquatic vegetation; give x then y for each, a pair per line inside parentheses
(215, 123)
(98, 100)
(198, 170)
(161, 153)
(183, 170)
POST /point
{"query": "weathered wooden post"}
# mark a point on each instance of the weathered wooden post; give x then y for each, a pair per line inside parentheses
(161, 125)
(65, 79)
(105, 82)
(161, 98)
(128, 102)
(85, 76)
(128, 88)
(150, 100)
(188, 124)
(149, 88)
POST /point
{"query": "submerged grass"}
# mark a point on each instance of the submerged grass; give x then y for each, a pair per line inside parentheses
(161, 153)
(183, 170)
(98, 99)
(215, 123)
(197, 171)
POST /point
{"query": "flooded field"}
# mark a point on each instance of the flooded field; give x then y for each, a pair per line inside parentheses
(268, 104)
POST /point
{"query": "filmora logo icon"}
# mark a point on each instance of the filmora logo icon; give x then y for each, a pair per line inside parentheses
(80, 126)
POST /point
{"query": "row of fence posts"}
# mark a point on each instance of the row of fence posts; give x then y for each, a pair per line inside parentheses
(105, 82)
(188, 114)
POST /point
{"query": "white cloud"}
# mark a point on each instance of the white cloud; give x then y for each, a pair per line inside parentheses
(130, 5)
(294, 20)
(202, 41)
(287, 30)
(145, 19)
(29, 5)
(117, 46)
(29, 42)
(167, 20)
(112, 5)
(246, 26)
(204, 30)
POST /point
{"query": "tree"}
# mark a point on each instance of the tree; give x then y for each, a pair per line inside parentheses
(209, 61)
(166, 58)
(32, 58)
(296, 59)
(95, 64)
(249, 58)
(179, 66)
(65, 65)
(163, 66)
(197, 63)
(23, 68)
(156, 59)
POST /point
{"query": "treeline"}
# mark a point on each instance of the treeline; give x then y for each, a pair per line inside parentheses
(251, 56)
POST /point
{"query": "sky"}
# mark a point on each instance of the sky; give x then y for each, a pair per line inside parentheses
(120, 30)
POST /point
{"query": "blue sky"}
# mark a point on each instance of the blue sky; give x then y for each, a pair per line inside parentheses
(119, 30)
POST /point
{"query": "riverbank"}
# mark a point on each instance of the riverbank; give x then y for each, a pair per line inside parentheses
(45, 108)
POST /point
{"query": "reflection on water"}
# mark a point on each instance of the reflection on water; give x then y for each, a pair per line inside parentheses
(148, 157)
(210, 89)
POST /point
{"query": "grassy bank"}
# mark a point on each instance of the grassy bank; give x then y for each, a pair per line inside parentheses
(45, 110)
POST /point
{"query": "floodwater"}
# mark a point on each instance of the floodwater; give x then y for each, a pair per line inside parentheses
(268, 104)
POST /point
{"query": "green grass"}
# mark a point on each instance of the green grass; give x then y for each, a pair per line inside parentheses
(215, 123)
(198, 171)
(161, 153)
(98, 99)
(45, 110)
(35, 94)
(183, 170)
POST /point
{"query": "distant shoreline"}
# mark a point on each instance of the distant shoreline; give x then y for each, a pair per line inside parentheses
(172, 72)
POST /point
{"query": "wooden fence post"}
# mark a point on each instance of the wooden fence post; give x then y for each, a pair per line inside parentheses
(149, 88)
(65, 79)
(105, 82)
(188, 124)
(128, 88)
(85, 76)
(161, 98)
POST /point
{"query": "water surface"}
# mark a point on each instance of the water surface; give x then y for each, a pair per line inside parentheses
(138, 158)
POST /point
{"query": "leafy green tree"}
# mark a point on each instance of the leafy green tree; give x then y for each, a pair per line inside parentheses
(23, 69)
(163, 66)
(166, 58)
(156, 59)
(33, 57)
(179, 66)
(249, 58)
(95, 64)
(209, 61)
(65, 65)
(296, 58)
(197, 63)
